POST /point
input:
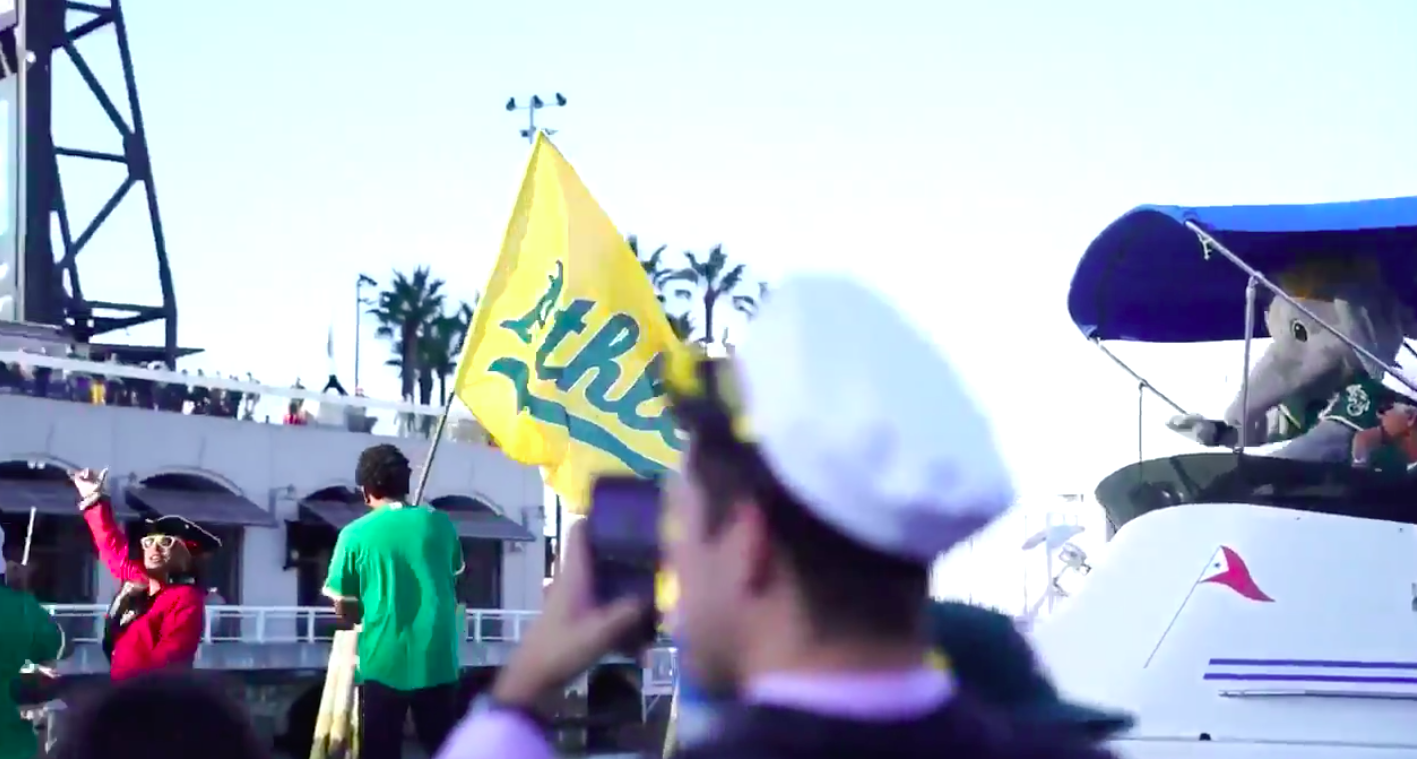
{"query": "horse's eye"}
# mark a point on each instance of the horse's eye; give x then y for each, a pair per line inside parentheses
(1301, 333)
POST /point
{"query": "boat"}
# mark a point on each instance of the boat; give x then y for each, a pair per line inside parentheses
(1246, 605)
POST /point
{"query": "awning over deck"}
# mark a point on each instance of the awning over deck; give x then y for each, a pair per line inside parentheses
(202, 507)
(486, 525)
(334, 513)
(478, 524)
(49, 497)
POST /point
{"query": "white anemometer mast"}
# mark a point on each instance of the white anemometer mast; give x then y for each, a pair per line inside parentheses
(1054, 538)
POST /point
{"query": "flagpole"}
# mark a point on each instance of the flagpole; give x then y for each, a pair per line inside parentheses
(433, 449)
(29, 537)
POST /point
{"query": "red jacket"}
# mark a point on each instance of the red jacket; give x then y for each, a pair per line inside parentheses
(167, 635)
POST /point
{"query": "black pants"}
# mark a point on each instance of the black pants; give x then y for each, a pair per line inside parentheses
(383, 712)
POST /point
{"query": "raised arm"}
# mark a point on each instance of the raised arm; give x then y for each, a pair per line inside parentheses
(112, 543)
(108, 537)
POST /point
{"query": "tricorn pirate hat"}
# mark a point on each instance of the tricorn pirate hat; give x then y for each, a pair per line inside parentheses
(197, 540)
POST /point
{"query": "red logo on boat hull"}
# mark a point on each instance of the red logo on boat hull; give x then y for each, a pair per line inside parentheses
(1230, 571)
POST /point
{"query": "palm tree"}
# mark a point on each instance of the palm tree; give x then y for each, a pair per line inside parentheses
(441, 348)
(660, 276)
(715, 279)
(748, 305)
(682, 324)
(653, 263)
(403, 313)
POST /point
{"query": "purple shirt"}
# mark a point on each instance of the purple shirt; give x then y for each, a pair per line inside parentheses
(874, 696)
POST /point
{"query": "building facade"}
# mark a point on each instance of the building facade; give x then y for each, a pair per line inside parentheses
(276, 494)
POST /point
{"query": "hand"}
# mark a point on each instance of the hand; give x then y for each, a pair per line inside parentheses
(569, 636)
(349, 612)
(17, 575)
(88, 482)
(1207, 432)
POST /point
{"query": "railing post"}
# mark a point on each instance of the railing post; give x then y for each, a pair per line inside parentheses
(209, 612)
(261, 625)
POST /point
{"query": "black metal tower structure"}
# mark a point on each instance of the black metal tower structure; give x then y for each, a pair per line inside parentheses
(53, 290)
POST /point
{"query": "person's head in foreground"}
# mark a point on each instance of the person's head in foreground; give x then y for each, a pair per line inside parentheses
(829, 463)
(383, 475)
(992, 660)
(158, 713)
(172, 545)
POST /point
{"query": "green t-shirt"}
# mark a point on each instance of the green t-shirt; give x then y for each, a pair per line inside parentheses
(401, 563)
(28, 634)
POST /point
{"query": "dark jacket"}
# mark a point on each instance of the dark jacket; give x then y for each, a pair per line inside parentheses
(959, 729)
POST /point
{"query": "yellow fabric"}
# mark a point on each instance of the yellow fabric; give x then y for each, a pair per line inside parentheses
(556, 366)
(937, 659)
(682, 376)
(666, 591)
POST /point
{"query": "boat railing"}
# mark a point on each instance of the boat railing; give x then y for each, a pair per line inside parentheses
(261, 625)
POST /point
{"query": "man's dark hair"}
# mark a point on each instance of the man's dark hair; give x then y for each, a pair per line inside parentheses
(383, 472)
(174, 712)
(849, 590)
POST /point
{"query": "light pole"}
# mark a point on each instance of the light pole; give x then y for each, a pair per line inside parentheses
(359, 303)
(534, 105)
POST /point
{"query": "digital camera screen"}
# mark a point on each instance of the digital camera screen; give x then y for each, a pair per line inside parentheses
(624, 518)
(623, 527)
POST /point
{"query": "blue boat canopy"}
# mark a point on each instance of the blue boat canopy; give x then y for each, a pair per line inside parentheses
(1146, 277)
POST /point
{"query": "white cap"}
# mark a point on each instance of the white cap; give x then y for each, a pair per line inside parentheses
(865, 422)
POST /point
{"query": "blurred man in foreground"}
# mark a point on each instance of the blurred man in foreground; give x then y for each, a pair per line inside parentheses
(27, 635)
(828, 465)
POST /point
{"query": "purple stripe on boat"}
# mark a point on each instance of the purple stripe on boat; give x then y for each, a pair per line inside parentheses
(1315, 663)
(1276, 677)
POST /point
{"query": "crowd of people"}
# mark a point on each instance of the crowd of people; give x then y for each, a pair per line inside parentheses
(184, 397)
(801, 542)
(102, 389)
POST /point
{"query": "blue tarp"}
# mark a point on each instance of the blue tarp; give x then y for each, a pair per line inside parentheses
(1146, 278)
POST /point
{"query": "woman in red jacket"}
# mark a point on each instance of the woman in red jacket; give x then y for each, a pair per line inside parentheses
(157, 618)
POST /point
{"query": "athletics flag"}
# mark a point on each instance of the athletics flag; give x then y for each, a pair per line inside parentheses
(562, 362)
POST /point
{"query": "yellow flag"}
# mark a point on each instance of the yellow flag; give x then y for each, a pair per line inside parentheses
(562, 360)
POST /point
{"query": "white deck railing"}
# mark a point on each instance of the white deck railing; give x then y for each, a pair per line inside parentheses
(83, 623)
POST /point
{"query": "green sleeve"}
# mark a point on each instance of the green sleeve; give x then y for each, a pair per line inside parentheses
(458, 563)
(46, 639)
(342, 579)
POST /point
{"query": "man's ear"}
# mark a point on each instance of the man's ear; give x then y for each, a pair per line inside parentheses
(755, 543)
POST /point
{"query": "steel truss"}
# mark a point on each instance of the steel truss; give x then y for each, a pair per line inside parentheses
(54, 292)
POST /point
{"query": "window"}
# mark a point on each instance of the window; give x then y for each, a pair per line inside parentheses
(61, 558)
(480, 584)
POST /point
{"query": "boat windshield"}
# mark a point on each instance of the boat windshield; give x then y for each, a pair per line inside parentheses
(1338, 489)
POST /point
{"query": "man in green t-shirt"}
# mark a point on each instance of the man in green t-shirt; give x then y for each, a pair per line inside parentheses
(395, 570)
(27, 635)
